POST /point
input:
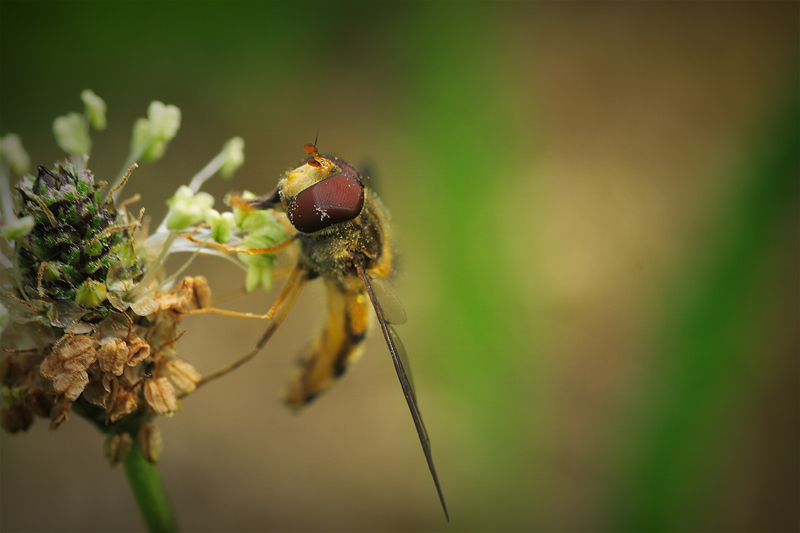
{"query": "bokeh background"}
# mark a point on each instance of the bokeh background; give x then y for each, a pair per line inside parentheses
(597, 207)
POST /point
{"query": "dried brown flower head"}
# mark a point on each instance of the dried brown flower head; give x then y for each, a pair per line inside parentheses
(108, 370)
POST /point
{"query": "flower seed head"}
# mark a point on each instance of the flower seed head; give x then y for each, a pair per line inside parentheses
(222, 225)
(151, 134)
(72, 241)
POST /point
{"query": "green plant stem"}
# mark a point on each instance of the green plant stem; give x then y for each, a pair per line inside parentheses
(149, 491)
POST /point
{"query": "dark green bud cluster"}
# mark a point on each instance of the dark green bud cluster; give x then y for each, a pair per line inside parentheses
(76, 239)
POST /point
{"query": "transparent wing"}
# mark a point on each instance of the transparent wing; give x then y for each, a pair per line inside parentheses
(405, 381)
(392, 308)
(401, 353)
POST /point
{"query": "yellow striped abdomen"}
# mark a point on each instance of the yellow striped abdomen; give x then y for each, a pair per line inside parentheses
(338, 344)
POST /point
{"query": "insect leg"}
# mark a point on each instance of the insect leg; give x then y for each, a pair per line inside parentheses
(294, 276)
(291, 297)
(233, 250)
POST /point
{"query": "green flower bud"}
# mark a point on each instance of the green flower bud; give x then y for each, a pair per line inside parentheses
(234, 154)
(93, 248)
(92, 267)
(187, 209)
(95, 109)
(91, 294)
(263, 229)
(72, 256)
(72, 274)
(72, 134)
(52, 271)
(221, 225)
(11, 150)
(240, 214)
(259, 271)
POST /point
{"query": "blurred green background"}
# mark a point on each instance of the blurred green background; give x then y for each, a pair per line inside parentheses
(597, 207)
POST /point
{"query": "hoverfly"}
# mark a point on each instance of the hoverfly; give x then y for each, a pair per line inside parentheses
(343, 233)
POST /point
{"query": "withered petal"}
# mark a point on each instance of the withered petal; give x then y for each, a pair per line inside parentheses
(16, 418)
(123, 405)
(182, 375)
(71, 385)
(74, 347)
(160, 395)
(112, 356)
(138, 351)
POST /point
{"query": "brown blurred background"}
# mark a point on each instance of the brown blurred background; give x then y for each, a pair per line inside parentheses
(597, 206)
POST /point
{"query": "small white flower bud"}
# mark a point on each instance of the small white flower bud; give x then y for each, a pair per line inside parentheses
(151, 134)
(95, 109)
(16, 227)
(234, 153)
(72, 134)
(11, 150)
(187, 209)
(164, 120)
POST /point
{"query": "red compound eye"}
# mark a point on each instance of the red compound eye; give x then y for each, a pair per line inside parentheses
(336, 199)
